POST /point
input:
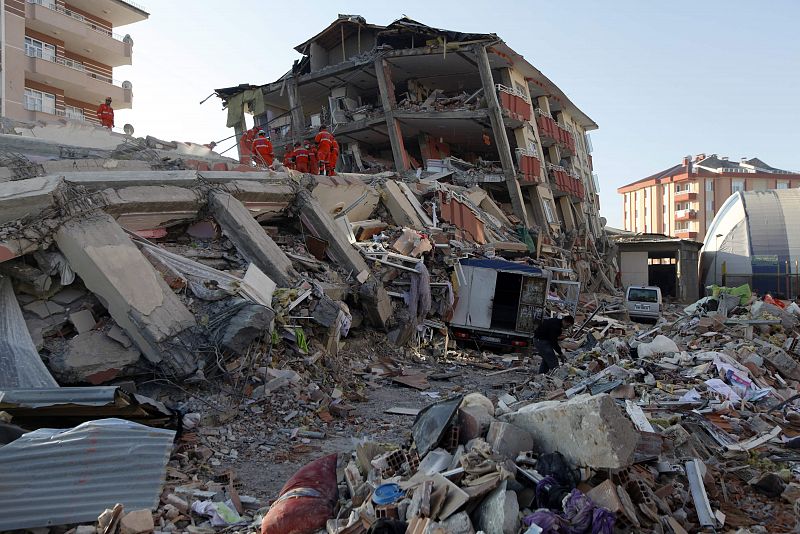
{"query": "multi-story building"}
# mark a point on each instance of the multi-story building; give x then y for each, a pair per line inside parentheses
(58, 57)
(681, 201)
(418, 96)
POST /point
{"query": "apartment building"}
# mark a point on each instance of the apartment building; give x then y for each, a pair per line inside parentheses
(58, 57)
(681, 201)
(419, 97)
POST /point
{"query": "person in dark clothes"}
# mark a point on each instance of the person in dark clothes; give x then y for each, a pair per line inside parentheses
(546, 340)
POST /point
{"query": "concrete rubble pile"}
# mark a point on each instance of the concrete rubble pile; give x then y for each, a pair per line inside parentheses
(265, 319)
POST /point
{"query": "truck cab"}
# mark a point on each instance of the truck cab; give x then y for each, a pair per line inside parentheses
(643, 302)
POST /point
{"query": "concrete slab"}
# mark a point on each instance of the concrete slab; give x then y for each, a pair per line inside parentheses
(588, 430)
(250, 238)
(83, 321)
(134, 293)
(22, 198)
(43, 308)
(91, 357)
(401, 210)
(148, 207)
(67, 296)
(335, 193)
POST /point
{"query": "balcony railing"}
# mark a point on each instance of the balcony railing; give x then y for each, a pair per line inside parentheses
(74, 65)
(685, 215)
(51, 5)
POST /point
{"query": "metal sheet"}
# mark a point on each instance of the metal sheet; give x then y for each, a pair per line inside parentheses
(56, 477)
(704, 513)
(68, 407)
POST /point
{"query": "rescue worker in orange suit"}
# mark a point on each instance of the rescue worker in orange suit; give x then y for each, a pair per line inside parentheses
(313, 160)
(262, 147)
(105, 113)
(334, 156)
(288, 155)
(247, 145)
(301, 156)
(324, 140)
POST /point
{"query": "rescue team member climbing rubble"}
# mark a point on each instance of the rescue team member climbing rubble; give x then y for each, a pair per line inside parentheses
(546, 340)
(262, 147)
(301, 156)
(324, 140)
(105, 114)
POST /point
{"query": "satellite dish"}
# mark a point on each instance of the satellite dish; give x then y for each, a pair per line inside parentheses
(128, 129)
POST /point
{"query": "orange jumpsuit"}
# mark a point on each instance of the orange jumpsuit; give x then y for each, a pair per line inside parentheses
(313, 161)
(263, 149)
(246, 145)
(301, 156)
(333, 157)
(324, 140)
(105, 114)
(288, 154)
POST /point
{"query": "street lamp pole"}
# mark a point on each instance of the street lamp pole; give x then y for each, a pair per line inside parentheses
(716, 253)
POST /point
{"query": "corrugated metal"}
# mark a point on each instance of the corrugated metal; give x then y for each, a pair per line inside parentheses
(39, 398)
(55, 477)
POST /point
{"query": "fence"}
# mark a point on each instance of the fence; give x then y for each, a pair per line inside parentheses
(782, 283)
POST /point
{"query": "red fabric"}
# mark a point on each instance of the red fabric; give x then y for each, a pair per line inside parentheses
(305, 514)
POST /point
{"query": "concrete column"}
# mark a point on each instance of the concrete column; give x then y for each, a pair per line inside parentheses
(250, 238)
(295, 110)
(566, 211)
(134, 293)
(392, 125)
(500, 135)
(372, 294)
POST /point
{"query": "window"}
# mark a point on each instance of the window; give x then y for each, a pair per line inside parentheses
(548, 211)
(75, 113)
(710, 185)
(40, 101)
(709, 206)
(783, 185)
(40, 49)
(737, 185)
(681, 225)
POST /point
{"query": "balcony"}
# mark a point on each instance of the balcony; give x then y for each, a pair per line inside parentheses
(685, 215)
(79, 34)
(686, 233)
(117, 12)
(685, 196)
(75, 80)
(529, 166)
(548, 128)
(515, 105)
(566, 182)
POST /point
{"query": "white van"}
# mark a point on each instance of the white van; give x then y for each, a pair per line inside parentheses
(643, 302)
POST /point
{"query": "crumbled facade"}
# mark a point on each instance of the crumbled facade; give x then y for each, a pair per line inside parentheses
(462, 108)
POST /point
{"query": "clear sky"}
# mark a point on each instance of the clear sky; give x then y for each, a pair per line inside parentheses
(662, 79)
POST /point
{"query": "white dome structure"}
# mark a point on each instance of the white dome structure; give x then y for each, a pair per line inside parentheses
(755, 239)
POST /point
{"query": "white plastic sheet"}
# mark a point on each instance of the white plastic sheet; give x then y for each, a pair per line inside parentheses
(20, 364)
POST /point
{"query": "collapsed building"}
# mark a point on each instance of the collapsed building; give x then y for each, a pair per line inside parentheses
(462, 108)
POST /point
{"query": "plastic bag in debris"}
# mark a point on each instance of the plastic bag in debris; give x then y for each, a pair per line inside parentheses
(549, 522)
(306, 501)
(222, 514)
(554, 464)
(775, 302)
(550, 493)
(743, 292)
(578, 509)
(660, 345)
(723, 389)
